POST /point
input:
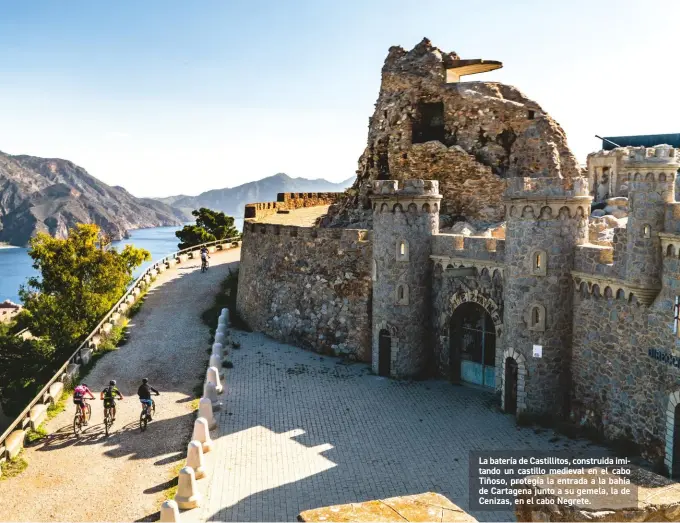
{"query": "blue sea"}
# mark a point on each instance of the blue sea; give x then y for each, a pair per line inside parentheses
(16, 268)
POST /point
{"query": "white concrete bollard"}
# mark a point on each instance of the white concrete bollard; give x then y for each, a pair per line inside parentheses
(225, 314)
(170, 511)
(205, 410)
(210, 393)
(195, 458)
(187, 495)
(220, 337)
(212, 375)
(222, 328)
(216, 361)
(202, 434)
(217, 348)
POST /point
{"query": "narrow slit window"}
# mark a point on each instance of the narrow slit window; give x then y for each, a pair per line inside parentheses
(401, 293)
(535, 317)
(537, 266)
(676, 316)
(402, 248)
(647, 231)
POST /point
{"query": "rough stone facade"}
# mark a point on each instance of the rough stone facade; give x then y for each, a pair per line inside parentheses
(469, 136)
(308, 286)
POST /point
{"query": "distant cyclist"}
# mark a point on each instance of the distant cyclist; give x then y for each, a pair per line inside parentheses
(109, 396)
(204, 255)
(144, 392)
(79, 399)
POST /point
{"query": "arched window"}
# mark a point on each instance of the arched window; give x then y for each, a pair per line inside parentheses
(401, 297)
(402, 250)
(535, 317)
(539, 263)
(647, 231)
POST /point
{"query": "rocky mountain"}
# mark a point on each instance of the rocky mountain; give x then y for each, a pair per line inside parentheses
(51, 195)
(232, 201)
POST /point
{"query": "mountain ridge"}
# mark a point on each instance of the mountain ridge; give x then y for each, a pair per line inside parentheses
(232, 200)
(52, 195)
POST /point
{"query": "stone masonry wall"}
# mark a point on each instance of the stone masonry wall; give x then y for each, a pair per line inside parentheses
(307, 286)
(617, 387)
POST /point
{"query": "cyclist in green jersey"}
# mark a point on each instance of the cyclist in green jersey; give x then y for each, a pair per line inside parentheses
(109, 396)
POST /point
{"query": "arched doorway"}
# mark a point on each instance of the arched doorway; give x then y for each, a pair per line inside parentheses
(511, 385)
(384, 352)
(472, 345)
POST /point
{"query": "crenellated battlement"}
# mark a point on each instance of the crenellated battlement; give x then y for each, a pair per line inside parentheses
(647, 156)
(470, 247)
(289, 201)
(546, 188)
(408, 188)
(294, 231)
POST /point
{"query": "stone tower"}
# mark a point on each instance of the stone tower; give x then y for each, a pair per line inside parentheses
(404, 221)
(651, 173)
(545, 222)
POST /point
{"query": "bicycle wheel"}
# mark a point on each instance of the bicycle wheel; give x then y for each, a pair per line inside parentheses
(89, 411)
(153, 408)
(142, 420)
(77, 423)
(108, 421)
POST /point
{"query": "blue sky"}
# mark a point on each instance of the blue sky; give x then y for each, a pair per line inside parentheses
(168, 97)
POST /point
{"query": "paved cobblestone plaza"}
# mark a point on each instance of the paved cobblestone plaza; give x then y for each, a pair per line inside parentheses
(301, 431)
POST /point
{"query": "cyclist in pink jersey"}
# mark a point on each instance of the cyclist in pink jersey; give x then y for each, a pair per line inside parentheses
(79, 399)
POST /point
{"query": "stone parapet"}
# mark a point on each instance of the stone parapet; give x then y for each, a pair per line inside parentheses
(594, 259)
(546, 188)
(288, 202)
(408, 188)
(475, 247)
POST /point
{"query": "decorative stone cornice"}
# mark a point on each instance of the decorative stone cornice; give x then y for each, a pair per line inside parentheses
(620, 289)
(457, 262)
(541, 207)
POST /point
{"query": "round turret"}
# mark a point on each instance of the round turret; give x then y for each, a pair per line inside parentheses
(404, 220)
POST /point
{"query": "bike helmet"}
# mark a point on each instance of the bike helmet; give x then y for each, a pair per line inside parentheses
(145, 380)
(112, 383)
(83, 385)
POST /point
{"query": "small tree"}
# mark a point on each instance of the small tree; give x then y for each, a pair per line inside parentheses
(24, 366)
(78, 284)
(210, 226)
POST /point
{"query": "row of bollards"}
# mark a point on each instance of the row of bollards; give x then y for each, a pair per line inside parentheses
(187, 496)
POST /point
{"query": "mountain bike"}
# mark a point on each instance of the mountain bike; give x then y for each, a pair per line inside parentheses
(108, 418)
(204, 265)
(147, 412)
(78, 419)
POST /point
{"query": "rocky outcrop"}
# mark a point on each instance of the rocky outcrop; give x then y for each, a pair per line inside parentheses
(52, 195)
(470, 136)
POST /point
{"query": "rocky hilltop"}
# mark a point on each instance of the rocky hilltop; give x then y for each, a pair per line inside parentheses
(232, 201)
(50, 195)
(470, 136)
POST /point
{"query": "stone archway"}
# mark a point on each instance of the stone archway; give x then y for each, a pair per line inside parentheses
(511, 355)
(383, 327)
(487, 303)
(672, 453)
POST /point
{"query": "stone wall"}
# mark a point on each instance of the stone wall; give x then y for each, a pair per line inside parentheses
(617, 387)
(308, 286)
(288, 202)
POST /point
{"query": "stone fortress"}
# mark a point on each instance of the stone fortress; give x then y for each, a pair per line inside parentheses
(473, 247)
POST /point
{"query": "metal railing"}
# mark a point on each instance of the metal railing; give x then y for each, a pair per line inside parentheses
(139, 283)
